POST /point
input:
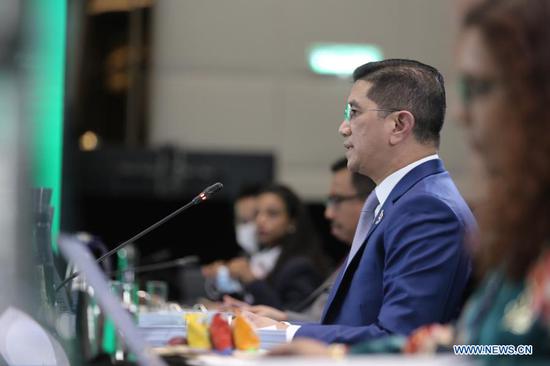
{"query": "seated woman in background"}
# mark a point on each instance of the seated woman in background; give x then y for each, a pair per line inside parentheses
(292, 264)
(504, 66)
(218, 282)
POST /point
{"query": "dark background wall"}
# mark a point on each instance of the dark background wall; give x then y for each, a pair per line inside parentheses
(123, 184)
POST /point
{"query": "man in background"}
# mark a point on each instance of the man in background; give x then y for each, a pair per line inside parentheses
(348, 192)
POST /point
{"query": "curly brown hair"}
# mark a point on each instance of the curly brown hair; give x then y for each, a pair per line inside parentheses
(515, 223)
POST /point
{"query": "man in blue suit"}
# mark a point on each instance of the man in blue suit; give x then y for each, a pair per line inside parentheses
(408, 265)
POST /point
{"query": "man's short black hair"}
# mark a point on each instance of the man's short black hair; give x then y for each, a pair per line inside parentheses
(399, 84)
(362, 184)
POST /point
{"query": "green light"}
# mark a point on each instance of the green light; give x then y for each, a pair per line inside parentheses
(47, 56)
(340, 58)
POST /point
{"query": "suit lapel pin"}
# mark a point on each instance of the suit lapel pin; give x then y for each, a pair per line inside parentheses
(379, 218)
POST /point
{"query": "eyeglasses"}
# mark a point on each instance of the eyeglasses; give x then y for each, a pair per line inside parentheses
(471, 87)
(336, 200)
(348, 111)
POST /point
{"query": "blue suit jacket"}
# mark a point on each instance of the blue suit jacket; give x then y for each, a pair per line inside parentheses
(412, 268)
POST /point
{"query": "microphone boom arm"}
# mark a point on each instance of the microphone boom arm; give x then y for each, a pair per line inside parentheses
(203, 196)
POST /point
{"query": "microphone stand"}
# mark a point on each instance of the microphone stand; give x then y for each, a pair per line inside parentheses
(203, 196)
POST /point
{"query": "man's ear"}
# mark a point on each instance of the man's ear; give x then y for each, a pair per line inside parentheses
(403, 126)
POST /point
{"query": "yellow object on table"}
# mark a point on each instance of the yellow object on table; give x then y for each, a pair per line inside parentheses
(197, 331)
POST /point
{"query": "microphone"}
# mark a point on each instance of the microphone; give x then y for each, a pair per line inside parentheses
(203, 196)
(209, 191)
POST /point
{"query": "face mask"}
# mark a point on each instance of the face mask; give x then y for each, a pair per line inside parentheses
(246, 237)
